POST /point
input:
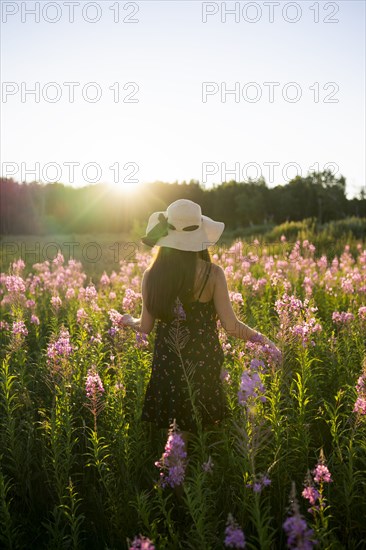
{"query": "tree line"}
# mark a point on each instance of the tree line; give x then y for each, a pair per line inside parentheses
(39, 209)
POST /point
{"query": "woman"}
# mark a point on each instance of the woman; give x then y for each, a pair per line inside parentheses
(186, 293)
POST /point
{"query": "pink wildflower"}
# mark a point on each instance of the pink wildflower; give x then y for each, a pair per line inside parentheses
(104, 280)
(19, 328)
(14, 284)
(311, 494)
(322, 474)
(250, 388)
(60, 348)
(93, 384)
(234, 536)
(56, 302)
(173, 462)
(299, 536)
(362, 313)
(141, 340)
(70, 293)
(360, 404)
(130, 300)
(90, 294)
(81, 315)
(259, 483)
(94, 390)
(342, 318)
(142, 543)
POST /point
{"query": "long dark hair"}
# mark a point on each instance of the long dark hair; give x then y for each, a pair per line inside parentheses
(171, 275)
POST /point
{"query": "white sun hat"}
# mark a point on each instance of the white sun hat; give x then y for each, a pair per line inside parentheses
(182, 226)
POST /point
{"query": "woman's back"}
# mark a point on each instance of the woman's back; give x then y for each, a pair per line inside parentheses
(204, 281)
(187, 352)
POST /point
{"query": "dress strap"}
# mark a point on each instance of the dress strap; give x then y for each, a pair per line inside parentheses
(208, 270)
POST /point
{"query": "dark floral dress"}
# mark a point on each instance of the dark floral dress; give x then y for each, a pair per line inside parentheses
(185, 382)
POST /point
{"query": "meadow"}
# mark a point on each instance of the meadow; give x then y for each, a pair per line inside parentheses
(285, 469)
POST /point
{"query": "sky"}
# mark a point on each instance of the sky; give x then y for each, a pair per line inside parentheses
(134, 92)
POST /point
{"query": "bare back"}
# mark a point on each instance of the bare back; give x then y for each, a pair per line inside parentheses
(216, 289)
(200, 280)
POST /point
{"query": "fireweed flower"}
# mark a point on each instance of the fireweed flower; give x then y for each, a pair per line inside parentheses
(130, 300)
(258, 347)
(342, 318)
(250, 388)
(141, 543)
(224, 341)
(141, 340)
(4, 325)
(116, 319)
(297, 319)
(70, 293)
(173, 462)
(314, 493)
(93, 385)
(18, 266)
(94, 390)
(19, 328)
(234, 536)
(360, 403)
(59, 351)
(208, 466)
(90, 294)
(322, 474)
(259, 483)
(311, 494)
(97, 339)
(58, 260)
(18, 332)
(299, 536)
(257, 364)
(236, 297)
(61, 347)
(81, 315)
(34, 320)
(56, 302)
(179, 312)
(104, 280)
(362, 313)
(225, 376)
(14, 284)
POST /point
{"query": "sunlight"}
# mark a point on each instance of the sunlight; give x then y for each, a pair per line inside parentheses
(125, 188)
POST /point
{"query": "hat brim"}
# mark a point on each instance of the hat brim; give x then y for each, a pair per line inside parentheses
(206, 235)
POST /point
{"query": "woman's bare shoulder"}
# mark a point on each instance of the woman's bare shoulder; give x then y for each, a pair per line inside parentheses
(145, 277)
(217, 270)
(202, 264)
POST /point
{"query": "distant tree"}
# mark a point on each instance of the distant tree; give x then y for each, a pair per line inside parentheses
(27, 208)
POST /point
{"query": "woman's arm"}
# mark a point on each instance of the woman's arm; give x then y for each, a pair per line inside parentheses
(146, 322)
(227, 316)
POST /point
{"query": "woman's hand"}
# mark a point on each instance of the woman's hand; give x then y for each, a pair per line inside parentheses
(270, 346)
(127, 320)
